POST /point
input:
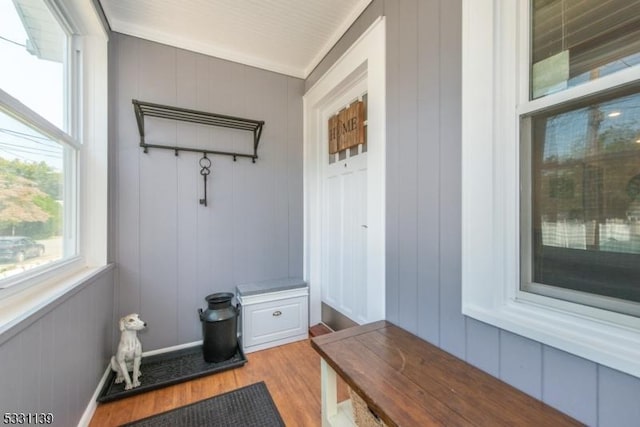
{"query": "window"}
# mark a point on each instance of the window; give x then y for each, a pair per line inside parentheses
(581, 222)
(551, 173)
(52, 211)
(580, 233)
(576, 42)
(34, 48)
(33, 199)
(37, 168)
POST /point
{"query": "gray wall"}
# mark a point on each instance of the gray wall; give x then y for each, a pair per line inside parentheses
(172, 252)
(423, 220)
(53, 361)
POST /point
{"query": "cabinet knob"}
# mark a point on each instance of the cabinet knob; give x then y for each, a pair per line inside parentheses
(276, 313)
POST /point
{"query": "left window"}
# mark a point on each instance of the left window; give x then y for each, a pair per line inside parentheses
(39, 148)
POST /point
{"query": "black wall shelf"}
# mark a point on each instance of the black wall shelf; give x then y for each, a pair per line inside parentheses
(148, 109)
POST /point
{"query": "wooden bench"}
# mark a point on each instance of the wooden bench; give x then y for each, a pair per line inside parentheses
(406, 381)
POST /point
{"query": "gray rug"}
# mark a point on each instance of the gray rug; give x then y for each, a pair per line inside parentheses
(250, 406)
(165, 369)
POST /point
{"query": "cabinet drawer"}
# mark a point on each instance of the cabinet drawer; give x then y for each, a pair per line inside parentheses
(274, 320)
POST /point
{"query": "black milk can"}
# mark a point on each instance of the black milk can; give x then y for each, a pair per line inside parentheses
(219, 327)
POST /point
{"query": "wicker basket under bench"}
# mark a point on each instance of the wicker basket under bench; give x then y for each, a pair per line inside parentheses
(363, 416)
(400, 380)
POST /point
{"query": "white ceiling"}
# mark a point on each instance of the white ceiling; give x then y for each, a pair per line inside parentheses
(286, 36)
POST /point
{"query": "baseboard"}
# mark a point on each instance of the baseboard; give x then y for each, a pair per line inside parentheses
(93, 404)
(172, 348)
(334, 319)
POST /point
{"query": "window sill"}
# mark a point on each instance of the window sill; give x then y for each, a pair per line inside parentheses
(21, 308)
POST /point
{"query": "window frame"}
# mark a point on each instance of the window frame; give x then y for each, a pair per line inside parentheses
(86, 122)
(496, 74)
(25, 115)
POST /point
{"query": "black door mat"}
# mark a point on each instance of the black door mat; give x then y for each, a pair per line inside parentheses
(250, 406)
(161, 370)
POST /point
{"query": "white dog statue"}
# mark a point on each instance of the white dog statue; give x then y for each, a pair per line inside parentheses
(129, 352)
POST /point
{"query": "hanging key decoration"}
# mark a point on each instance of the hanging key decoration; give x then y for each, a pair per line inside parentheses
(205, 165)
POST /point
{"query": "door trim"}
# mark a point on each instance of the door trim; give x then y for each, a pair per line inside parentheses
(366, 56)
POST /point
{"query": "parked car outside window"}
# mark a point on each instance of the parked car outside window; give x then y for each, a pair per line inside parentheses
(19, 248)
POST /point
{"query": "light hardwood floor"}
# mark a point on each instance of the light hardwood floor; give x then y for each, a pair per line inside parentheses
(291, 372)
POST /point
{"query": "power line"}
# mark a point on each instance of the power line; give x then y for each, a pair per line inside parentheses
(14, 42)
(15, 132)
(34, 150)
(26, 152)
(14, 154)
(28, 137)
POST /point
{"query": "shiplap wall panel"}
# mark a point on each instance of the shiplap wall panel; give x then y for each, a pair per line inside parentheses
(407, 115)
(392, 212)
(452, 324)
(428, 233)
(30, 367)
(618, 399)
(187, 180)
(10, 360)
(218, 90)
(158, 191)
(294, 169)
(188, 251)
(47, 367)
(158, 246)
(125, 59)
(570, 384)
(55, 361)
(521, 363)
(483, 346)
(65, 342)
(188, 295)
(267, 99)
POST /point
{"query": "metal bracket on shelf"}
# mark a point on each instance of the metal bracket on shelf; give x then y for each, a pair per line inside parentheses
(148, 109)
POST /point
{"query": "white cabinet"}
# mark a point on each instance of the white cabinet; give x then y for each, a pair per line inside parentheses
(273, 313)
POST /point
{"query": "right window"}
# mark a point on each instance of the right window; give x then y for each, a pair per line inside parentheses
(551, 173)
(580, 157)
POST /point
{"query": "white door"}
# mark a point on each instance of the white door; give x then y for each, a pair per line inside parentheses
(344, 233)
(344, 199)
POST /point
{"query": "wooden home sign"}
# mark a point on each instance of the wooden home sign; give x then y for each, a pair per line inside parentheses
(346, 129)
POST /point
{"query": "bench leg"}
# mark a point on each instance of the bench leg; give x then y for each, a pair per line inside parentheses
(329, 393)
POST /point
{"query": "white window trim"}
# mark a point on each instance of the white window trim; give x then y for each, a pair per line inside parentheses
(40, 287)
(494, 78)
